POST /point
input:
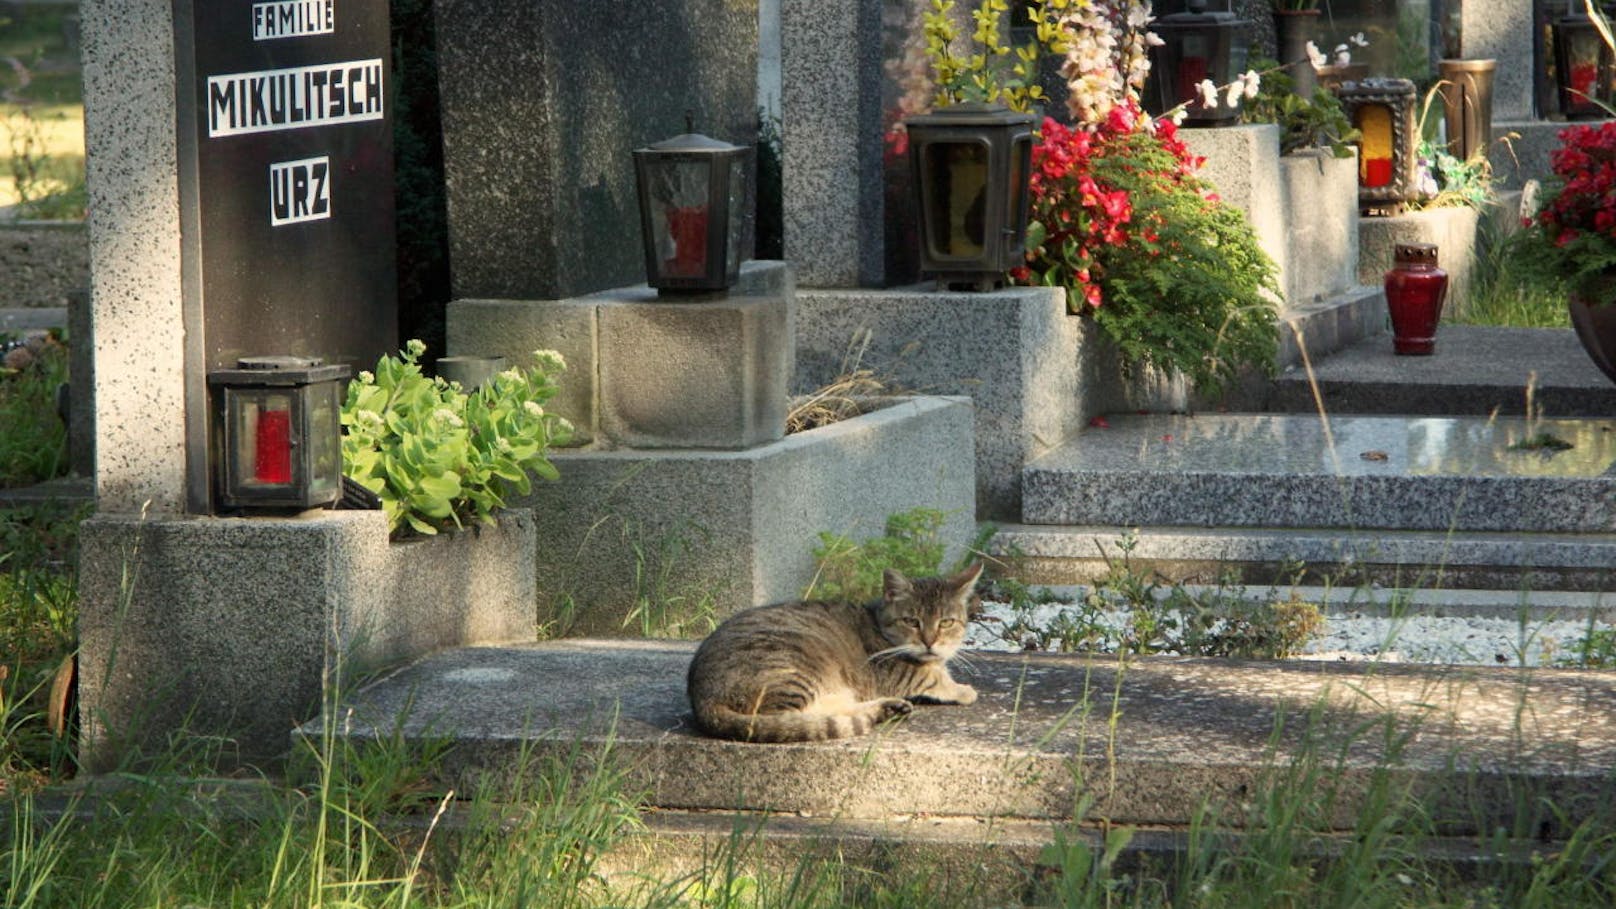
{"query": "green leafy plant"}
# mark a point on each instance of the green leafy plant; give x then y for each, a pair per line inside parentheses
(993, 70)
(1442, 180)
(438, 456)
(1304, 123)
(849, 570)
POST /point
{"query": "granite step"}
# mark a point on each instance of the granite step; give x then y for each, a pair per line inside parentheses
(1446, 564)
(1475, 370)
(1348, 473)
(1143, 741)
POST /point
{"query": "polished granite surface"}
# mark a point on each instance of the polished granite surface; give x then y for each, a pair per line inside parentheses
(1341, 446)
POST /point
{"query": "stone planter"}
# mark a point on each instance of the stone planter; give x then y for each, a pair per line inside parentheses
(1320, 193)
(235, 627)
(667, 541)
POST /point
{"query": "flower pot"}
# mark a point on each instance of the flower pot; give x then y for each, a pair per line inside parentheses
(1594, 318)
(1293, 28)
(1467, 106)
(1415, 288)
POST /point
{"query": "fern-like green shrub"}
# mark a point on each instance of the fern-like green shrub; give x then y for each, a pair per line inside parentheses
(851, 571)
(440, 457)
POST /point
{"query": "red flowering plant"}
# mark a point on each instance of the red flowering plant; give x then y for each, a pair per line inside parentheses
(1121, 219)
(1571, 241)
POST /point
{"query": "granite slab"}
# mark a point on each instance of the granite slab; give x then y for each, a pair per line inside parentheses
(1149, 740)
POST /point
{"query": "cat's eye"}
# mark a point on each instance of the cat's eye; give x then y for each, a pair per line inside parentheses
(948, 623)
(912, 622)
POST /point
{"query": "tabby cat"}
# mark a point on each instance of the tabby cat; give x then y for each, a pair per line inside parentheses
(807, 671)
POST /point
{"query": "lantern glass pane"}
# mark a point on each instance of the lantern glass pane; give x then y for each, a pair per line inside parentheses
(263, 439)
(1016, 205)
(324, 439)
(1377, 151)
(1583, 47)
(1194, 64)
(679, 217)
(737, 215)
(956, 176)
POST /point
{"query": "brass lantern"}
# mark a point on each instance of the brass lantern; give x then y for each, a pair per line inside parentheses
(1196, 46)
(692, 193)
(277, 433)
(971, 163)
(1383, 111)
(1583, 65)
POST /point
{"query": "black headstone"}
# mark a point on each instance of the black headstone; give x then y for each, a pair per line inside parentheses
(287, 179)
(286, 189)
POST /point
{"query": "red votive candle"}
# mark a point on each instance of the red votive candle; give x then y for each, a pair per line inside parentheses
(688, 226)
(1378, 172)
(273, 454)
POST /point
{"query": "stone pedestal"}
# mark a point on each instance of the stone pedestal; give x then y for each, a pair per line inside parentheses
(1502, 30)
(1320, 193)
(234, 629)
(645, 371)
(667, 542)
(1453, 230)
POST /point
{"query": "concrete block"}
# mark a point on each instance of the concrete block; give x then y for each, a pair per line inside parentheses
(514, 329)
(1501, 30)
(1242, 163)
(1321, 218)
(1453, 230)
(1324, 327)
(1521, 150)
(1035, 372)
(831, 141)
(542, 109)
(648, 542)
(687, 355)
(235, 628)
(713, 373)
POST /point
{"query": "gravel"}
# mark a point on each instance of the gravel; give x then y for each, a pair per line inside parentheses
(1356, 636)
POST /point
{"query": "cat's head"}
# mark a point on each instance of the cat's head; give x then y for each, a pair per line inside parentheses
(924, 618)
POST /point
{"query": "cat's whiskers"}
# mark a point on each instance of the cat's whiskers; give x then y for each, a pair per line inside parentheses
(898, 650)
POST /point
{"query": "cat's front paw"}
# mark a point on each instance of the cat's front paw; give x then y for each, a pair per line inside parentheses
(964, 694)
(892, 708)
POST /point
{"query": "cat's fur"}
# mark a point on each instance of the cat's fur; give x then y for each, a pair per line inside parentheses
(807, 671)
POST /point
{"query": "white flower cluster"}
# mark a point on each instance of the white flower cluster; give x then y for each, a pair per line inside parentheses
(1342, 52)
(1244, 86)
(1102, 67)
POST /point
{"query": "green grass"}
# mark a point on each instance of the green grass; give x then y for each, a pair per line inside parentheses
(1500, 296)
(33, 445)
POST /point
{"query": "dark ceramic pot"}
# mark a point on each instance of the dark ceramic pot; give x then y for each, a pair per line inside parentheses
(1293, 28)
(1595, 323)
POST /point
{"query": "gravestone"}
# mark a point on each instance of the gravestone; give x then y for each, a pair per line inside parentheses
(241, 202)
(543, 105)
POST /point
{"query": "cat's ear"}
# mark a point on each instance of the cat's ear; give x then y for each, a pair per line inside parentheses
(894, 585)
(965, 580)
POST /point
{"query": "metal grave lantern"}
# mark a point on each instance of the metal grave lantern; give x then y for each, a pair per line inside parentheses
(1383, 111)
(277, 433)
(692, 212)
(1583, 65)
(1196, 46)
(971, 163)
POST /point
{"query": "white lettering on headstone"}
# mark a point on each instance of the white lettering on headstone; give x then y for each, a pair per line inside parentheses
(299, 191)
(294, 98)
(293, 19)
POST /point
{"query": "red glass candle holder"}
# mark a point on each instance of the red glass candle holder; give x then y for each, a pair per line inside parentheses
(1415, 289)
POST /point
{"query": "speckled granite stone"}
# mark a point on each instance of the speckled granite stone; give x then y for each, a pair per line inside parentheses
(1501, 30)
(1358, 472)
(134, 225)
(831, 143)
(542, 108)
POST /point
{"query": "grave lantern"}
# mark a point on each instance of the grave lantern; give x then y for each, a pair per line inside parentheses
(970, 164)
(692, 202)
(277, 433)
(1583, 65)
(1196, 46)
(1383, 111)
